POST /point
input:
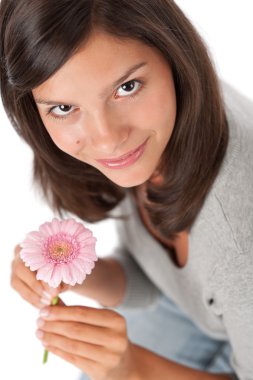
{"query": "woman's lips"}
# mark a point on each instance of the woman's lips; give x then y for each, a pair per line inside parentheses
(126, 160)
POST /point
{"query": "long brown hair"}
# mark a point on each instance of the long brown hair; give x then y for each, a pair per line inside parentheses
(39, 36)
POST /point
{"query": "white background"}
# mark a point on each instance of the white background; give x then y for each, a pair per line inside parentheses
(227, 28)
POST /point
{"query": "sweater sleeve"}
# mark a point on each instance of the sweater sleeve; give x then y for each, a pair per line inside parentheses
(140, 291)
(234, 305)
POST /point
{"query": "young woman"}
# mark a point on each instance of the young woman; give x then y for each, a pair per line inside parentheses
(126, 119)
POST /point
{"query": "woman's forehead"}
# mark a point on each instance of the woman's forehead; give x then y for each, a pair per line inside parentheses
(103, 63)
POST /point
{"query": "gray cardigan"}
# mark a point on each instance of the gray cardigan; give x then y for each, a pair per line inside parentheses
(220, 263)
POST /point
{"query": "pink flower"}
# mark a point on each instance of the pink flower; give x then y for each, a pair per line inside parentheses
(60, 251)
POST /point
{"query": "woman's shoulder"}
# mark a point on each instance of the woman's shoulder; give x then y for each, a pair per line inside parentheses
(233, 188)
(237, 167)
(238, 162)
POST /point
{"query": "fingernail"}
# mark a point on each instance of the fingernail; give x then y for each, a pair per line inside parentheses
(44, 312)
(39, 334)
(46, 295)
(45, 301)
(40, 322)
(52, 292)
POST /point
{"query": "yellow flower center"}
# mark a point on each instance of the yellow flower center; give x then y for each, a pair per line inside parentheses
(60, 250)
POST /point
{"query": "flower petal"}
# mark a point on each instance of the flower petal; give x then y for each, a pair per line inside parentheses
(87, 265)
(31, 244)
(56, 226)
(34, 236)
(37, 265)
(56, 277)
(78, 274)
(69, 226)
(66, 274)
(89, 253)
(31, 258)
(46, 229)
(44, 273)
(84, 236)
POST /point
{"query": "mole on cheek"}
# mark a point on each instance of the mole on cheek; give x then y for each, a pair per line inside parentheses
(78, 142)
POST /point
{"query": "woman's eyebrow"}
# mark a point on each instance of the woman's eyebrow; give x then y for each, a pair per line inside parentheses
(130, 71)
(127, 74)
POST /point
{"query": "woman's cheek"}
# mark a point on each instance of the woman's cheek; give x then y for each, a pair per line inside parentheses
(66, 135)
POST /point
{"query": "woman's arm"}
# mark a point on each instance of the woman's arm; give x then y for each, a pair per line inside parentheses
(151, 366)
(106, 284)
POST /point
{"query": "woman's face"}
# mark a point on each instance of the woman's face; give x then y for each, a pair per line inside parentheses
(112, 106)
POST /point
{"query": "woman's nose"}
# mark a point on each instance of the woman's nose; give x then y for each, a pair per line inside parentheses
(106, 134)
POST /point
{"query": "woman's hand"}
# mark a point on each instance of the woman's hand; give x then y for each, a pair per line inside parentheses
(24, 281)
(94, 340)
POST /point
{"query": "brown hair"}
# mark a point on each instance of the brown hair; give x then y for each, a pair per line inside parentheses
(32, 32)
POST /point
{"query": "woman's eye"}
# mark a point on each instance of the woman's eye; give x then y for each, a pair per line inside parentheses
(129, 88)
(60, 111)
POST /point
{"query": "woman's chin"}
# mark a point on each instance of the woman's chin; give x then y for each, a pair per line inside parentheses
(128, 181)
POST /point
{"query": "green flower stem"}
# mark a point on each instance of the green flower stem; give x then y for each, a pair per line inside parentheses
(45, 356)
(53, 302)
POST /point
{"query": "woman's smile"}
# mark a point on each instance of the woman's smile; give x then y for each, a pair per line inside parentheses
(125, 160)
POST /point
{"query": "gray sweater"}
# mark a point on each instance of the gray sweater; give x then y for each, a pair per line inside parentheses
(220, 262)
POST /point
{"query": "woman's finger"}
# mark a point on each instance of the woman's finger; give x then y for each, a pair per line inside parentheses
(84, 314)
(75, 347)
(28, 294)
(27, 276)
(17, 249)
(85, 365)
(97, 335)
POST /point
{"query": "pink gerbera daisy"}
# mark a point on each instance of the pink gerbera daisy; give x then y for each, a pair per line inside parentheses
(63, 250)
